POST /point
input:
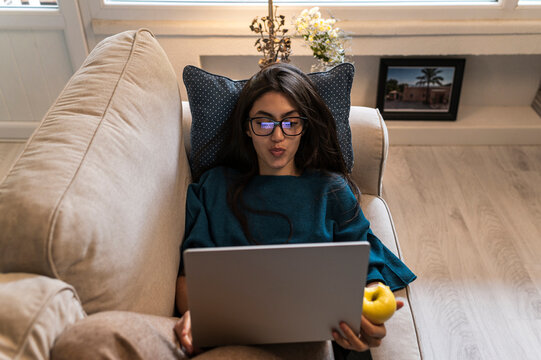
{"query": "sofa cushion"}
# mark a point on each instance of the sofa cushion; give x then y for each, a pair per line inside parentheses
(370, 146)
(126, 335)
(34, 311)
(120, 335)
(213, 97)
(97, 197)
(289, 351)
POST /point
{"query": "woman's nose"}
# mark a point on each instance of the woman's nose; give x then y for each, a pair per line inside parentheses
(277, 134)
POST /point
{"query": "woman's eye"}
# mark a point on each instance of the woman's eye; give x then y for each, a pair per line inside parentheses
(290, 123)
(266, 125)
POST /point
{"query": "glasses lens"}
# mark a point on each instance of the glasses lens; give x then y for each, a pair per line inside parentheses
(293, 125)
(263, 126)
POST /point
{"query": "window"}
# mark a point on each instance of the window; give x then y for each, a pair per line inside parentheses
(302, 2)
(376, 17)
(529, 2)
(28, 3)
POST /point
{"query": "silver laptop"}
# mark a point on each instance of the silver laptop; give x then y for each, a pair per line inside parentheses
(274, 293)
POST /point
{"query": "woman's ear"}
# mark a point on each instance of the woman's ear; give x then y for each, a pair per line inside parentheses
(249, 132)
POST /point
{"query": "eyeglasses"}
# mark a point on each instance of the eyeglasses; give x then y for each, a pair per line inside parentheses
(264, 126)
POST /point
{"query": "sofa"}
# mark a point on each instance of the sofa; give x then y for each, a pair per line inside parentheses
(92, 211)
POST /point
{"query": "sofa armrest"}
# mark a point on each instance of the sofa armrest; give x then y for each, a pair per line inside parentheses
(402, 341)
(370, 147)
(186, 125)
(35, 310)
(97, 197)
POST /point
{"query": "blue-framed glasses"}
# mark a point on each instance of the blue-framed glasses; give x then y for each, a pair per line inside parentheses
(264, 126)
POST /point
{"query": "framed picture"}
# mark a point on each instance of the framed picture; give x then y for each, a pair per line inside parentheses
(419, 88)
(536, 103)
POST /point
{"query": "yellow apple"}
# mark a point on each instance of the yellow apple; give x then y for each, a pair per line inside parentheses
(379, 303)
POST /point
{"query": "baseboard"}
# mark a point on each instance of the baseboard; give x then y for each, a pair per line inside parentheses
(17, 130)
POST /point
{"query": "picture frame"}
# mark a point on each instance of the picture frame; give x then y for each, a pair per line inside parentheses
(406, 83)
(536, 103)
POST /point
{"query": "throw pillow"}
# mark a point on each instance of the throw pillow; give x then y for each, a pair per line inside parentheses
(212, 99)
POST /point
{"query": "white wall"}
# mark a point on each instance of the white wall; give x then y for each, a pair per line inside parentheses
(39, 51)
(501, 44)
(505, 80)
(34, 67)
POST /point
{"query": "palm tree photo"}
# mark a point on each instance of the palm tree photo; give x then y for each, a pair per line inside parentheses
(430, 77)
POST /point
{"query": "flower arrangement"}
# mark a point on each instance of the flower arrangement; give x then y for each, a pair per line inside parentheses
(276, 47)
(326, 40)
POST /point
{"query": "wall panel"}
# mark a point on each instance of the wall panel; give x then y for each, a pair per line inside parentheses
(58, 67)
(13, 91)
(34, 67)
(4, 114)
(31, 74)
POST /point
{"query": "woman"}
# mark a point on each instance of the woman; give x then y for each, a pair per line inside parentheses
(282, 179)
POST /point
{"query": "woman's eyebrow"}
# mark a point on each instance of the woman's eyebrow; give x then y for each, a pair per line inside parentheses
(264, 113)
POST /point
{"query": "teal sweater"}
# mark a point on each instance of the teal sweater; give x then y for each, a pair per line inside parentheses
(321, 208)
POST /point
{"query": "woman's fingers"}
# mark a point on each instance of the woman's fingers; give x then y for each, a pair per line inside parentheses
(343, 342)
(187, 332)
(350, 340)
(399, 304)
(376, 331)
(372, 333)
(178, 328)
(183, 330)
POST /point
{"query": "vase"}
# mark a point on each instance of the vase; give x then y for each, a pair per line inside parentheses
(321, 66)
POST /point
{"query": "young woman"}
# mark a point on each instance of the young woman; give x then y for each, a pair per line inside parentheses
(282, 179)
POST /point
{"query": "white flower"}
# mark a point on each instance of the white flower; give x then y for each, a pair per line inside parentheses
(319, 25)
(325, 40)
(314, 10)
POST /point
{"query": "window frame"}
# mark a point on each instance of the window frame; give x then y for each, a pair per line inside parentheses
(534, 5)
(64, 17)
(503, 9)
(502, 18)
(48, 18)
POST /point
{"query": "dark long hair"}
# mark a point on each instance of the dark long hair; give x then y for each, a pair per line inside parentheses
(318, 149)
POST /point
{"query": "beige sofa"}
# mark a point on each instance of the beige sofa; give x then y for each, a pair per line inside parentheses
(92, 212)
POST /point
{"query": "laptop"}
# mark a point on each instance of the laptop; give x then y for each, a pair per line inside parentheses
(274, 293)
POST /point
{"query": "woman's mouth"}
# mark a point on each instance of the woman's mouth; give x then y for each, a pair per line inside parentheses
(277, 152)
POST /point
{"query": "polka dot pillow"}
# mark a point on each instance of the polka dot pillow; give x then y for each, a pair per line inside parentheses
(213, 97)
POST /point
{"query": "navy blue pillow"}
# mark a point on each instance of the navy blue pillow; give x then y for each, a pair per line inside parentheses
(213, 97)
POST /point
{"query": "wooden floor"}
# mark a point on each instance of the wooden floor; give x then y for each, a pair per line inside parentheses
(469, 223)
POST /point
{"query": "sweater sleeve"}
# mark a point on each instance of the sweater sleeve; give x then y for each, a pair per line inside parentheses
(352, 225)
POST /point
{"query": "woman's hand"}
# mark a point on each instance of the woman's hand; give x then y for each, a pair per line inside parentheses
(371, 334)
(183, 330)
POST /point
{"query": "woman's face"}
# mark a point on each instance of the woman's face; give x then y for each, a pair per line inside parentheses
(275, 152)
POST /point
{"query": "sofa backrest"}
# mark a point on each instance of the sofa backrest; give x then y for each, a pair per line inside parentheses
(97, 197)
